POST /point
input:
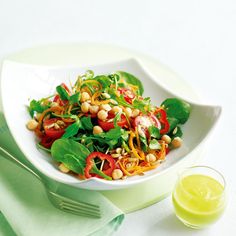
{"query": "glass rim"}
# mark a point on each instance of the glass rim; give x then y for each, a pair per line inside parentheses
(206, 167)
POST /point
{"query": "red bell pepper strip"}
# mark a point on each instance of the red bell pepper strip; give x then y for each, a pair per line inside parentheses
(165, 126)
(91, 167)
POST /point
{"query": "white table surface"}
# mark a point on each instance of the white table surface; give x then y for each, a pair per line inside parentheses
(195, 38)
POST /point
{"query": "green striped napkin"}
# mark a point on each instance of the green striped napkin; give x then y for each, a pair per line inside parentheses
(26, 210)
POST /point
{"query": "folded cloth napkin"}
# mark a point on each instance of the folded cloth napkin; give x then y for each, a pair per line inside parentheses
(5, 228)
(26, 210)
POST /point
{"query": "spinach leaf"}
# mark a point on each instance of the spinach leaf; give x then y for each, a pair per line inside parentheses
(113, 133)
(124, 135)
(142, 104)
(104, 81)
(173, 122)
(74, 98)
(73, 129)
(111, 138)
(154, 132)
(72, 163)
(177, 109)
(131, 79)
(178, 132)
(37, 106)
(95, 170)
(70, 153)
(62, 93)
(144, 143)
(154, 144)
(86, 123)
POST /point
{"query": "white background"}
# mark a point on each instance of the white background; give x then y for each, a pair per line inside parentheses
(196, 38)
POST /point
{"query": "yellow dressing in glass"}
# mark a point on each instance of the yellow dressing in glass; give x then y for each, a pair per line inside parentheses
(198, 200)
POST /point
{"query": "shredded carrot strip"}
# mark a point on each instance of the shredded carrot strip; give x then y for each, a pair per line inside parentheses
(162, 153)
(131, 144)
(141, 153)
(129, 173)
(95, 95)
(51, 109)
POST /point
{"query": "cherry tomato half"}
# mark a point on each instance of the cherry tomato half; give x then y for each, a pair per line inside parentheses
(144, 121)
(107, 125)
(128, 94)
(50, 130)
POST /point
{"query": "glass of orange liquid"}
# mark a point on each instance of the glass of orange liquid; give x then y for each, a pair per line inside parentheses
(199, 197)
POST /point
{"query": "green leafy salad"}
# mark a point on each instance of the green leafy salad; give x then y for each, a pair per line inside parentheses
(101, 126)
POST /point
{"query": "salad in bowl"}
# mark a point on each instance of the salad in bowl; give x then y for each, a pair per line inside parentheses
(102, 126)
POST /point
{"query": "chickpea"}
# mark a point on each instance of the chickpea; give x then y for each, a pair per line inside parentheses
(102, 115)
(105, 107)
(117, 174)
(128, 111)
(63, 168)
(32, 124)
(94, 109)
(85, 107)
(150, 157)
(176, 142)
(135, 113)
(166, 138)
(97, 129)
(84, 97)
(116, 109)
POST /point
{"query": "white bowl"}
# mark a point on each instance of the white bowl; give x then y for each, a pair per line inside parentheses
(21, 82)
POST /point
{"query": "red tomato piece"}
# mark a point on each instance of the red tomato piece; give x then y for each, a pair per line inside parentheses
(128, 94)
(145, 121)
(50, 130)
(47, 141)
(107, 125)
